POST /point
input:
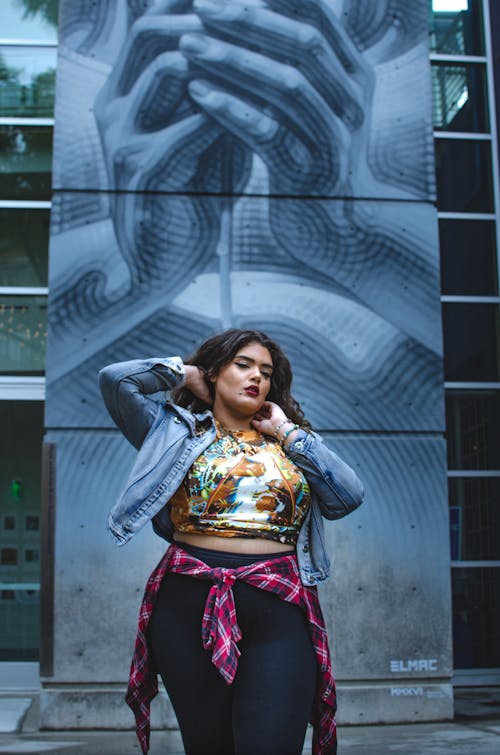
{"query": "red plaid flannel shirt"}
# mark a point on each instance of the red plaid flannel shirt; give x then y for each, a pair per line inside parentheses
(221, 633)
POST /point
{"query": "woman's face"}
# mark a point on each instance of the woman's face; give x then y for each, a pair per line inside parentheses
(242, 385)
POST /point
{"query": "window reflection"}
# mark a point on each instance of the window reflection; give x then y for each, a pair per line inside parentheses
(471, 342)
(30, 19)
(455, 28)
(468, 257)
(26, 161)
(476, 617)
(473, 429)
(24, 243)
(464, 175)
(474, 518)
(27, 81)
(8, 556)
(23, 325)
(459, 97)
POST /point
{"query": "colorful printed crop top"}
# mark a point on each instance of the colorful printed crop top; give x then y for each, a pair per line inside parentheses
(242, 485)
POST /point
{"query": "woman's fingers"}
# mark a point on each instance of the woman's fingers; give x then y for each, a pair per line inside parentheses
(268, 418)
(196, 382)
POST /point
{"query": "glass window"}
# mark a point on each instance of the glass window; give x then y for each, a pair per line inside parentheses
(9, 523)
(463, 175)
(459, 97)
(26, 161)
(468, 257)
(473, 429)
(20, 481)
(25, 19)
(32, 523)
(27, 81)
(455, 27)
(23, 324)
(8, 556)
(24, 245)
(471, 343)
(476, 617)
(474, 518)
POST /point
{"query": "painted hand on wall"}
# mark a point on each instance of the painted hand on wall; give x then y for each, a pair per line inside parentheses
(198, 91)
(200, 87)
(292, 94)
(154, 141)
(205, 110)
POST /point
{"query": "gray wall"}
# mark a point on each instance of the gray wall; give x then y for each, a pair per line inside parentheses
(268, 165)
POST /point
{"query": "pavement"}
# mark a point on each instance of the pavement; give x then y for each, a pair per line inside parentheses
(475, 730)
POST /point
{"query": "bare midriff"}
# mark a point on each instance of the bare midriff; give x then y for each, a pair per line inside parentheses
(248, 545)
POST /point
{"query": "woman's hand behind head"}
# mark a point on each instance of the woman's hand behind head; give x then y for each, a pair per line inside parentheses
(196, 382)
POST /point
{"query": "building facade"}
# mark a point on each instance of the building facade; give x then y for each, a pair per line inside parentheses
(338, 257)
(28, 55)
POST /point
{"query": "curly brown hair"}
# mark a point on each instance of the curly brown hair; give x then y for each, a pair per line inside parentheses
(220, 349)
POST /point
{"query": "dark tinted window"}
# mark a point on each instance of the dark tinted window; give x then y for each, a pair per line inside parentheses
(473, 429)
(468, 257)
(463, 174)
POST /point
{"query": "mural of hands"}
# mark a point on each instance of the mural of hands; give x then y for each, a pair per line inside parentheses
(280, 85)
(251, 151)
(291, 91)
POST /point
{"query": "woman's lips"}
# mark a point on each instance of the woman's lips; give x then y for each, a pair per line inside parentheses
(252, 391)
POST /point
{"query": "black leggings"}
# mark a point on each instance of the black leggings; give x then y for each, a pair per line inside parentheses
(267, 708)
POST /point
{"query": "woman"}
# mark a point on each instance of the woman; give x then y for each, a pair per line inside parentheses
(233, 477)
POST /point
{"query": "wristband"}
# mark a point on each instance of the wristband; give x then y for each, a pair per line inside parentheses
(278, 428)
(288, 432)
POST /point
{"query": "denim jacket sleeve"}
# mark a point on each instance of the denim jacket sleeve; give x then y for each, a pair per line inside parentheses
(337, 487)
(125, 387)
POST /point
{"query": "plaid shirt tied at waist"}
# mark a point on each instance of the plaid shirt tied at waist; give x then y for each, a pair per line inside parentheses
(220, 634)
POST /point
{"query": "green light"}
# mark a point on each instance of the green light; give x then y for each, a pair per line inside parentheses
(16, 488)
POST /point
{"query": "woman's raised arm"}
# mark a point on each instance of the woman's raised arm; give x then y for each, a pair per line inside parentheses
(126, 389)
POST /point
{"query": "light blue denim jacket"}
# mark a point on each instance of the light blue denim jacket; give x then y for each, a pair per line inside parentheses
(170, 438)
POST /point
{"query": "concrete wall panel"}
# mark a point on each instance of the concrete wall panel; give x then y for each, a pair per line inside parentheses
(98, 586)
(387, 602)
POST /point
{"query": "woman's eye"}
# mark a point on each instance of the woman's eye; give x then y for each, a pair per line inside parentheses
(245, 366)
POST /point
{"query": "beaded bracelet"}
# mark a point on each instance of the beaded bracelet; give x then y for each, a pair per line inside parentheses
(288, 432)
(278, 428)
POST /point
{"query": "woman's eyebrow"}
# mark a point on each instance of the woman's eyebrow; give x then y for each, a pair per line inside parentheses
(250, 359)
